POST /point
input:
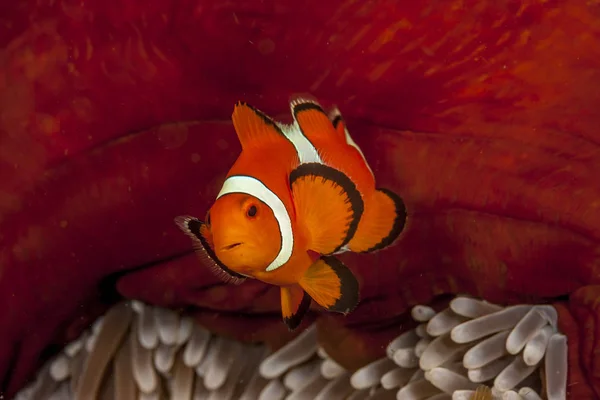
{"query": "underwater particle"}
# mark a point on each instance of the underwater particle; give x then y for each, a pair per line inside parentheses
(222, 144)
(48, 124)
(266, 46)
(172, 136)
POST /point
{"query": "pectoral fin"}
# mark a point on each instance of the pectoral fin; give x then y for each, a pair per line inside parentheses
(202, 242)
(332, 285)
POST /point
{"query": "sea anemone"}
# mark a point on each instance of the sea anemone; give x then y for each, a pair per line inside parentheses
(115, 119)
(140, 351)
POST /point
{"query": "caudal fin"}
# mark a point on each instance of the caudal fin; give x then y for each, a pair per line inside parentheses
(294, 304)
(332, 285)
(381, 223)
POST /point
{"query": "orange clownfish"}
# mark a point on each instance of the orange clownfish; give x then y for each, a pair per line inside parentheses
(482, 393)
(296, 195)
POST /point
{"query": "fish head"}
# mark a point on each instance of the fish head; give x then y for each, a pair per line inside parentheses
(245, 233)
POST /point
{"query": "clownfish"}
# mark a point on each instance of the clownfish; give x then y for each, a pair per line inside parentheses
(297, 195)
(483, 392)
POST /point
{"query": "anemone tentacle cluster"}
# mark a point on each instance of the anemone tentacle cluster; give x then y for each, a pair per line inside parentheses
(516, 350)
(145, 352)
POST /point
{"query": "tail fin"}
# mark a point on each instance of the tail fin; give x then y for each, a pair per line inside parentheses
(381, 223)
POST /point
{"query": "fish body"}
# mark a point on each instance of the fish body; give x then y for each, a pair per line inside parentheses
(297, 195)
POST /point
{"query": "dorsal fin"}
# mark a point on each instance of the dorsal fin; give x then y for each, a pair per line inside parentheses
(253, 126)
(311, 119)
(335, 116)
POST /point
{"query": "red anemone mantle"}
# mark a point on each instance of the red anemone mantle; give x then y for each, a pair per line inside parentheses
(114, 118)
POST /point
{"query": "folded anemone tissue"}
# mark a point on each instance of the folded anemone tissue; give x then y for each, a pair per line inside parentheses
(318, 199)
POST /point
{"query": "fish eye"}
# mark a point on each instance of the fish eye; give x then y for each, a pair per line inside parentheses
(252, 210)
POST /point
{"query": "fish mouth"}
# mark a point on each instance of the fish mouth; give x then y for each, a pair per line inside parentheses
(231, 246)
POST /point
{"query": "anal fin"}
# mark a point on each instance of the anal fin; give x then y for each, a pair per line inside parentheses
(381, 224)
(328, 204)
(332, 285)
(294, 304)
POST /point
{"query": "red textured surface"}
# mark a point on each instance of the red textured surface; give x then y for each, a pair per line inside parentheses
(114, 118)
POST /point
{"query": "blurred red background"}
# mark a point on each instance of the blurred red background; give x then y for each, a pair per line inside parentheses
(114, 118)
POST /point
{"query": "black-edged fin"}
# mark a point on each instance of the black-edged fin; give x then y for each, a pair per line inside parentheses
(328, 203)
(382, 223)
(332, 285)
(294, 305)
(199, 233)
(335, 116)
(311, 119)
(253, 126)
(340, 127)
